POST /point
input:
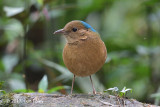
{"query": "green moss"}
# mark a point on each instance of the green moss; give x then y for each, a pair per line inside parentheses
(27, 97)
(6, 99)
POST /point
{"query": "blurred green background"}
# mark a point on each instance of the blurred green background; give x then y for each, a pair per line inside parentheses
(31, 56)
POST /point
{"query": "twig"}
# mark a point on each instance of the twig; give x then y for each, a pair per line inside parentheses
(118, 101)
(123, 102)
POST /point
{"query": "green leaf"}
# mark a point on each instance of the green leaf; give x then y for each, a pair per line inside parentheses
(2, 91)
(23, 91)
(40, 2)
(13, 28)
(2, 68)
(114, 89)
(57, 88)
(43, 85)
(156, 95)
(9, 62)
(11, 11)
(65, 73)
(1, 84)
(124, 90)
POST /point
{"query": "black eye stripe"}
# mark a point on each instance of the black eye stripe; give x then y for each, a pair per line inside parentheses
(74, 29)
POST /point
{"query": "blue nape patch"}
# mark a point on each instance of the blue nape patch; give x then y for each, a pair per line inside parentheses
(88, 26)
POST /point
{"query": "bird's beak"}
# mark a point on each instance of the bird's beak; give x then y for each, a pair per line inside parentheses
(60, 31)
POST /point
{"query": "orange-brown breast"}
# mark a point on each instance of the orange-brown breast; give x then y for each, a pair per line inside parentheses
(85, 57)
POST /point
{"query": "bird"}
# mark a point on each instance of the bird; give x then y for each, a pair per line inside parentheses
(84, 52)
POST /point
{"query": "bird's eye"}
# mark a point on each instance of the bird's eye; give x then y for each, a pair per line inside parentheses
(74, 29)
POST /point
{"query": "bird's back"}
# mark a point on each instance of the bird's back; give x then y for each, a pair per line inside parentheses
(85, 57)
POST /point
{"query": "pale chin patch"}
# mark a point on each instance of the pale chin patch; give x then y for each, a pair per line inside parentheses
(70, 40)
(73, 40)
(83, 38)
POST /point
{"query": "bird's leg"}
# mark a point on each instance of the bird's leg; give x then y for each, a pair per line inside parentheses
(73, 83)
(94, 91)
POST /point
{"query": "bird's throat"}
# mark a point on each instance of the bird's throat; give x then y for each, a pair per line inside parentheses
(71, 40)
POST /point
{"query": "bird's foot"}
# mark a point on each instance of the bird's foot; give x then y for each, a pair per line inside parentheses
(94, 92)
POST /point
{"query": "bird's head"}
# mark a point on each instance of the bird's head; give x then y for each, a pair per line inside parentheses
(76, 30)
